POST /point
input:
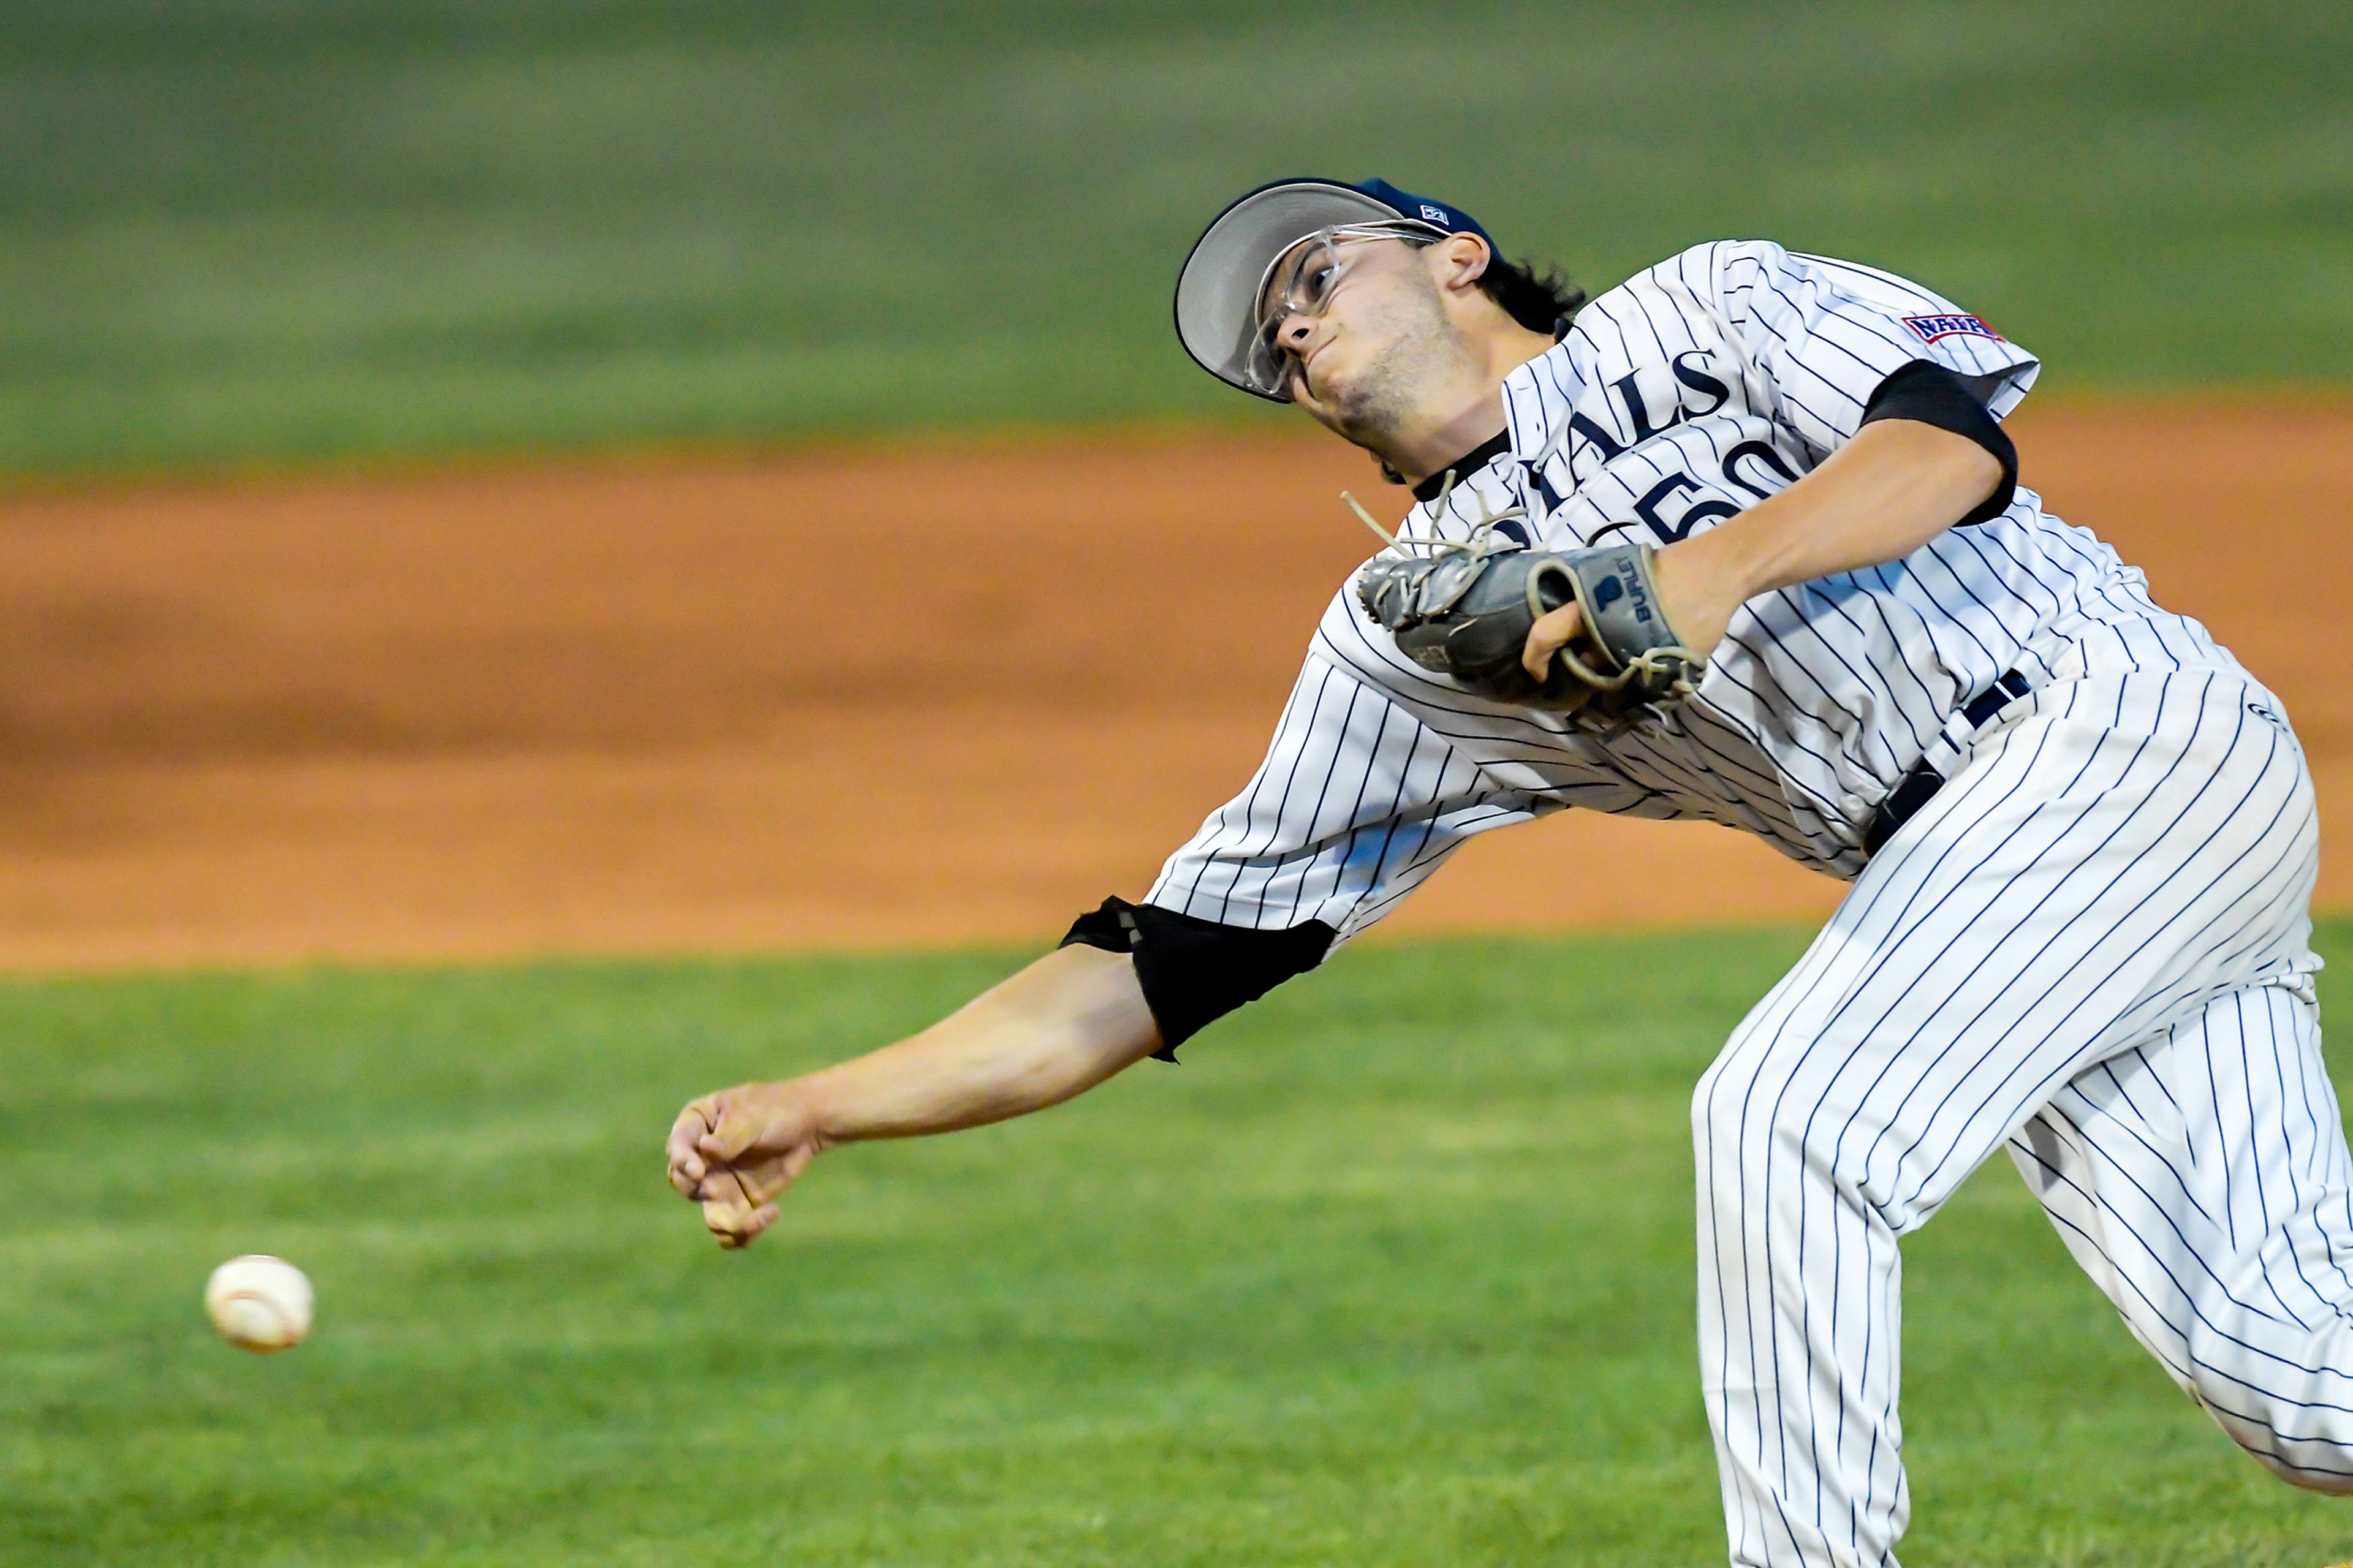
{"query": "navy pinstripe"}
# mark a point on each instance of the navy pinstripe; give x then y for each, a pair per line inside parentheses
(2120, 868)
(1822, 697)
(2090, 945)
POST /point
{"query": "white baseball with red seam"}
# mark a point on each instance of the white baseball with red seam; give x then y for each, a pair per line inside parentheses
(260, 1303)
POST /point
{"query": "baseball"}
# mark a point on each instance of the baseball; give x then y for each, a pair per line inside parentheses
(260, 1303)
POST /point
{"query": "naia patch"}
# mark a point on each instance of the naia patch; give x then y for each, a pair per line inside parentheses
(1928, 329)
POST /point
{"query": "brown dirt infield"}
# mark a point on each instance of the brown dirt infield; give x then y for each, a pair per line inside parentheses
(593, 707)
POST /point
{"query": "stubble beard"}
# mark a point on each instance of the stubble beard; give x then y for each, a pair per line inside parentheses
(1390, 395)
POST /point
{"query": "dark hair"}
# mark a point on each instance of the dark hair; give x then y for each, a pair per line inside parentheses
(1539, 301)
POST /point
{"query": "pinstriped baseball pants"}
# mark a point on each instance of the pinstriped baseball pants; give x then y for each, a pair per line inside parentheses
(2091, 946)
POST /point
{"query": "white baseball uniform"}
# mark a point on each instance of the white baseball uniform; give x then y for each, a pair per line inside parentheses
(2090, 946)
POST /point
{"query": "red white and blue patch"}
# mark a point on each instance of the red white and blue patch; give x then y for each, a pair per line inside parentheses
(1928, 329)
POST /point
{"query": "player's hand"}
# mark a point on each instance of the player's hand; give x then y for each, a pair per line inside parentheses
(1692, 590)
(735, 1152)
(1550, 634)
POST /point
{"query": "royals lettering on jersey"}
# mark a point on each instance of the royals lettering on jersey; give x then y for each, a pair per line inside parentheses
(1692, 391)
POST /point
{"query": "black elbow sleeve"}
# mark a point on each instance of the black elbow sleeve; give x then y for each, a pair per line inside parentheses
(1934, 395)
(1194, 971)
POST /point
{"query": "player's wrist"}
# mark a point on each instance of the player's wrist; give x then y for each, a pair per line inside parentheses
(1734, 562)
(811, 1109)
(1702, 582)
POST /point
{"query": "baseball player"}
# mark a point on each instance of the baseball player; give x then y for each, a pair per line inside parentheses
(1742, 540)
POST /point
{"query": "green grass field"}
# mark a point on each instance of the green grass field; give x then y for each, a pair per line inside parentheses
(239, 231)
(1395, 1270)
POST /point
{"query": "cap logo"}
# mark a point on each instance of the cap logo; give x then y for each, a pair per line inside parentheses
(1435, 215)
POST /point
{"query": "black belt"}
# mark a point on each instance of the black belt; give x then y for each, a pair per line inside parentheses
(1921, 784)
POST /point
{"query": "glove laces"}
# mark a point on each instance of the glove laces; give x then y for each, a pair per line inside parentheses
(1483, 540)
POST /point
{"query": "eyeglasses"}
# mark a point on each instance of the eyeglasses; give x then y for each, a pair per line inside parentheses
(1309, 292)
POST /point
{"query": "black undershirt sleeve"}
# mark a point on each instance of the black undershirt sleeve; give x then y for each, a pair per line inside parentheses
(1194, 971)
(1934, 395)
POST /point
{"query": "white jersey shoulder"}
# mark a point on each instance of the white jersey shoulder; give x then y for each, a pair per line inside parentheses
(1676, 400)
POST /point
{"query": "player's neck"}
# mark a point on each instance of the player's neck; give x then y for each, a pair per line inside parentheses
(1465, 413)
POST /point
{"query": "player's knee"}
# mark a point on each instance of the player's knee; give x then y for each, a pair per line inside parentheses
(2310, 1465)
(1716, 1103)
(2305, 1437)
(1734, 1108)
(1747, 1109)
(2336, 1481)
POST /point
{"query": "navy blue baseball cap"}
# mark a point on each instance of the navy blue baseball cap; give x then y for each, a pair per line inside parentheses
(1218, 291)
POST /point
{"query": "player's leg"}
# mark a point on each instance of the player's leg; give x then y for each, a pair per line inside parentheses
(2107, 862)
(2201, 1179)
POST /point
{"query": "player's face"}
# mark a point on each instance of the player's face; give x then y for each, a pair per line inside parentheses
(1359, 328)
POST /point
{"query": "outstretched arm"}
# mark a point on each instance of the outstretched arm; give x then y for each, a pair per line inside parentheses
(1056, 1029)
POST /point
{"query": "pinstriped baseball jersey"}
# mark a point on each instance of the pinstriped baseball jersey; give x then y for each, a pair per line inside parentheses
(2085, 940)
(1692, 391)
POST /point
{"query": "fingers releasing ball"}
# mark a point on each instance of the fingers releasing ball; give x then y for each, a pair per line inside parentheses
(260, 1303)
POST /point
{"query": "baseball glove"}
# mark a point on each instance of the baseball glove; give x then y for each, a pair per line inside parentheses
(1467, 612)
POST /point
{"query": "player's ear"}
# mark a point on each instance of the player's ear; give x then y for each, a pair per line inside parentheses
(1460, 260)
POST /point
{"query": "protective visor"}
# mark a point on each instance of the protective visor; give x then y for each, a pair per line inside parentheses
(1218, 291)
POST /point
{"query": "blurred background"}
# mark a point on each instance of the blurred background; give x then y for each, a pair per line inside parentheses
(266, 232)
(553, 555)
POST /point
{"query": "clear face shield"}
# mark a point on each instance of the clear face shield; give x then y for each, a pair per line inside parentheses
(1305, 286)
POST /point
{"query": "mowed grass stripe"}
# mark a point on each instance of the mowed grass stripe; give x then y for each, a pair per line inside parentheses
(1396, 1270)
